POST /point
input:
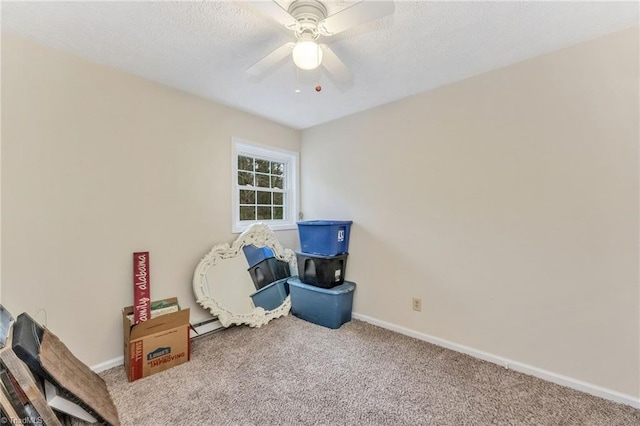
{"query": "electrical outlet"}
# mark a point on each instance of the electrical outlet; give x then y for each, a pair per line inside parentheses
(417, 304)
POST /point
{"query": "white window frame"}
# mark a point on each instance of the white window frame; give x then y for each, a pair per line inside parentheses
(291, 183)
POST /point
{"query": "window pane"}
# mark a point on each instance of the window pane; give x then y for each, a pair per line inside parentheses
(264, 213)
(277, 168)
(247, 197)
(276, 182)
(262, 166)
(262, 181)
(278, 212)
(245, 163)
(264, 197)
(245, 178)
(265, 188)
(247, 213)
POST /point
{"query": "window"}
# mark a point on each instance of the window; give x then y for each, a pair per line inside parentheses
(264, 186)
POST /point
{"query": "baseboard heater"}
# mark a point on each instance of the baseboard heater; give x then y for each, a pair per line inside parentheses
(204, 328)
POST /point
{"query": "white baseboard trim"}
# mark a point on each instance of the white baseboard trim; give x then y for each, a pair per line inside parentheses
(204, 328)
(508, 363)
(115, 362)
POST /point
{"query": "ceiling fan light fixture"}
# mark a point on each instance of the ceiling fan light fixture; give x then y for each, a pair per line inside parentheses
(307, 55)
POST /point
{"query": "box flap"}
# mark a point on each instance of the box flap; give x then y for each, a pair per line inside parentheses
(129, 309)
(154, 325)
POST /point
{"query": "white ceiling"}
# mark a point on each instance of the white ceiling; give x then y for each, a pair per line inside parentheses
(204, 48)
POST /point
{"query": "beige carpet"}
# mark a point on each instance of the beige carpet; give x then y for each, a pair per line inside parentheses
(291, 372)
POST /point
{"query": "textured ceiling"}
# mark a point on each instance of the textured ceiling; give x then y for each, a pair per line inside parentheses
(204, 48)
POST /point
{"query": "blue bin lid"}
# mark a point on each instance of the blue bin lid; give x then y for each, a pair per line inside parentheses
(321, 256)
(325, 222)
(345, 287)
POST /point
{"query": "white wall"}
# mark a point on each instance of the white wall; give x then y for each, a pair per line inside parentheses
(508, 202)
(97, 164)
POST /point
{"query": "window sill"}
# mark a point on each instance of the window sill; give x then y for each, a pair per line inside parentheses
(239, 228)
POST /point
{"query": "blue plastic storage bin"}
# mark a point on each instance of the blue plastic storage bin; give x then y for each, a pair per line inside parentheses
(256, 255)
(325, 237)
(271, 296)
(328, 307)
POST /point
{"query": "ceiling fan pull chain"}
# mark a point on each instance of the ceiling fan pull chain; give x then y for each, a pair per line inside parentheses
(297, 71)
(318, 86)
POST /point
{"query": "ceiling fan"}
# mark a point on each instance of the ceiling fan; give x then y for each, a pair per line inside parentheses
(309, 22)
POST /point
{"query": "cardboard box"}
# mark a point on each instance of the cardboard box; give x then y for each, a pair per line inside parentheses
(156, 344)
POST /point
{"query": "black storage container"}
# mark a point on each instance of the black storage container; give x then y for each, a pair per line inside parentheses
(321, 271)
(269, 270)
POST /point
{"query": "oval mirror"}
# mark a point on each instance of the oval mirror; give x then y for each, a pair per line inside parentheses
(222, 283)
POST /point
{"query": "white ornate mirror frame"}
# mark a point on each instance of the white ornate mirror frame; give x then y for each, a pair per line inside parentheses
(259, 235)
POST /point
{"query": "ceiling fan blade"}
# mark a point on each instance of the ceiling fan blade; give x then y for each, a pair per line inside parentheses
(264, 64)
(275, 11)
(336, 68)
(357, 14)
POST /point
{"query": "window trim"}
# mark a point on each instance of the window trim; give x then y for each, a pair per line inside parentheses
(291, 161)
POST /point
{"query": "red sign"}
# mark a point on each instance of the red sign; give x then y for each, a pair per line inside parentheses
(141, 287)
